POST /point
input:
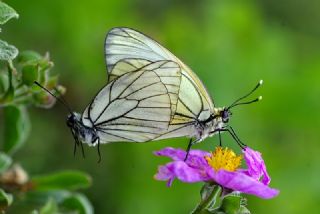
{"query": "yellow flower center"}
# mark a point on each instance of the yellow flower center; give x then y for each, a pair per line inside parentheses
(224, 159)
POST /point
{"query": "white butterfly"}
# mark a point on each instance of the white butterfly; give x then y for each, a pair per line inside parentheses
(151, 95)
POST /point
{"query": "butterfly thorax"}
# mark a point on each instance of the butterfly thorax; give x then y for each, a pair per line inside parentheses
(81, 132)
(217, 121)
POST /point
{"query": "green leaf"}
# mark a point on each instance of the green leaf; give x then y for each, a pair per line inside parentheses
(50, 207)
(42, 63)
(6, 13)
(231, 204)
(16, 128)
(69, 202)
(29, 74)
(42, 196)
(7, 52)
(5, 199)
(243, 210)
(78, 202)
(5, 162)
(26, 57)
(62, 180)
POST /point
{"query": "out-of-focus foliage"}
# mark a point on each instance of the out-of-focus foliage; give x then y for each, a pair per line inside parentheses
(7, 13)
(45, 194)
(230, 44)
(7, 52)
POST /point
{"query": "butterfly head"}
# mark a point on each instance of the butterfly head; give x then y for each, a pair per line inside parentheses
(220, 115)
(225, 114)
(74, 123)
(82, 133)
(71, 120)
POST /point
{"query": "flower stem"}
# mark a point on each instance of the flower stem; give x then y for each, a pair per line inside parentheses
(209, 201)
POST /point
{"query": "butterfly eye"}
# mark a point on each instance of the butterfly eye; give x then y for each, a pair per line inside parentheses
(225, 114)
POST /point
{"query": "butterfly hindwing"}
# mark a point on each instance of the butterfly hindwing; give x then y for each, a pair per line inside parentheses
(169, 73)
(136, 106)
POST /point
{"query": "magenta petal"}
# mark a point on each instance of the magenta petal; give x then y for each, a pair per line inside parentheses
(179, 154)
(185, 173)
(198, 153)
(180, 170)
(243, 183)
(174, 154)
(256, 166)
(164, 174)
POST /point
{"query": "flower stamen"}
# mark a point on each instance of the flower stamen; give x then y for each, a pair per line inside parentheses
(224, 159)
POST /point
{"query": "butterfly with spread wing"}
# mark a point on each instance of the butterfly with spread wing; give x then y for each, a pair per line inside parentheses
(150, 95)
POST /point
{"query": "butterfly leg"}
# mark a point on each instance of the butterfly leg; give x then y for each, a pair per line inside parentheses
(219, 133)
(188, 149)
(234, 133)
(82, 149)
(234, 136)
(74, 149)
(76, 143)
(99, 160)
(191, 142)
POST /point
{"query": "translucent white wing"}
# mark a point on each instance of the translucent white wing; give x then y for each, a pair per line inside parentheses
(169, 73)
(125, 66)
(136, 106)
(127, 44)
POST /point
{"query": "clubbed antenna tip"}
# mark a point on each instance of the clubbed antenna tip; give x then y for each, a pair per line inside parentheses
(260, 82)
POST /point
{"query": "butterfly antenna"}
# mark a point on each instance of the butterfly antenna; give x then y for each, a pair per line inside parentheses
(61, 100)
(236, 103)
(249, 102)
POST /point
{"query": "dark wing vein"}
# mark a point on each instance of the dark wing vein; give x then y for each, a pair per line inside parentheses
(187, 107)
(115, 135)
(134, 118)
(137, 131)
(173, 130)
(196, 89)
(117, 96)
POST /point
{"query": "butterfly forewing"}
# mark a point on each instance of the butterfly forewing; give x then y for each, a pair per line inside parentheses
(136, 106)
(136, 49)
(125, 43)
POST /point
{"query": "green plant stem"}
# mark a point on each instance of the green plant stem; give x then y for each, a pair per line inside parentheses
(208, 202)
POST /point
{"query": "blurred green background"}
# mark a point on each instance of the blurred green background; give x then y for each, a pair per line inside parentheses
(230, 45)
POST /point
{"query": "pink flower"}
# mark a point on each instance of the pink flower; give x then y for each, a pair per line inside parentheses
(219, 167)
